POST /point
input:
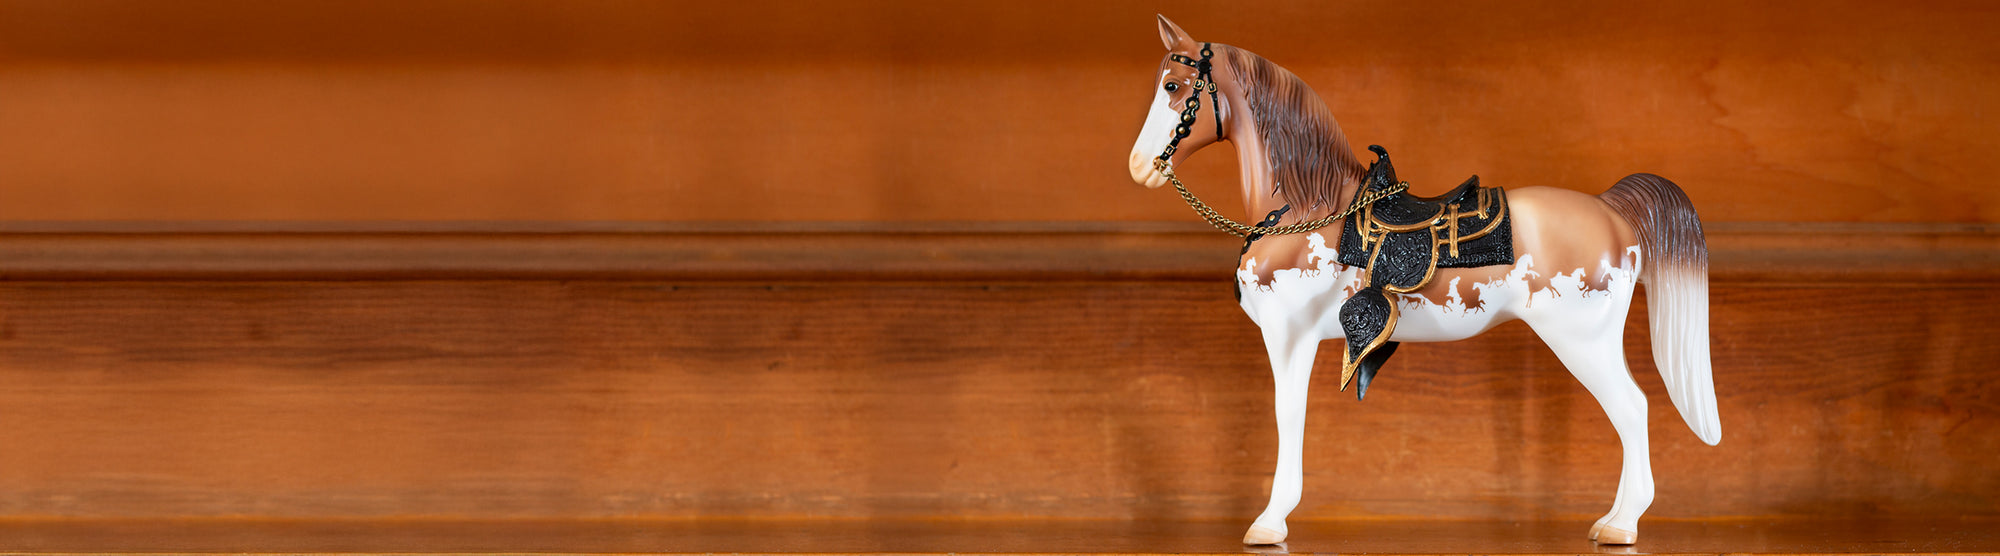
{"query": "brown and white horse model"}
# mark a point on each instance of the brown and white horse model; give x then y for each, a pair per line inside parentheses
(1578, 259)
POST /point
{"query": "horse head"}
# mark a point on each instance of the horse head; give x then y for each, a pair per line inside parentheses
(1187, 112)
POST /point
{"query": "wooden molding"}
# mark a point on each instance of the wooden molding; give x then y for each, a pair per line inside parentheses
(1742, 253)
(1141, 537)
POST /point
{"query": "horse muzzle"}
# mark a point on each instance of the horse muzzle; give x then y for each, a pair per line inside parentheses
(1144, 172)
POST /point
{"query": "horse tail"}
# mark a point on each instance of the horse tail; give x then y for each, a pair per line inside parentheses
(1674, 267)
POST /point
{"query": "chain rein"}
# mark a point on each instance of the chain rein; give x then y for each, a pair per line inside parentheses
(1204, 80)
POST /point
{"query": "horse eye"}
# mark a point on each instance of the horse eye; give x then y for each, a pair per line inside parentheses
(1172, 86)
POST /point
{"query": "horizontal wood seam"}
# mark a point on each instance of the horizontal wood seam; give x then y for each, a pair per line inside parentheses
(1742, 253)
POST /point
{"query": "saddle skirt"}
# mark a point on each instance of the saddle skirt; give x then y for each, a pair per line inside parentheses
(1402, 240)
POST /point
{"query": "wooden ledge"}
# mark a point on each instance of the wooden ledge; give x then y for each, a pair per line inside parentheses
(1869, 536)
(1743, 254)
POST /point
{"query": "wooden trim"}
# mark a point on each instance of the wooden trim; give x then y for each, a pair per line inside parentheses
(1846, 254)
(1854, 535)
(1742, 253)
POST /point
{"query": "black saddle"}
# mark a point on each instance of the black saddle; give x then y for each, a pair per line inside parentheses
(1455, 194)
(1402, 240)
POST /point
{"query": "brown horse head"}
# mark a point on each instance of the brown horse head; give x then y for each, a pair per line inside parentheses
(1174, 86)
(1288, 143)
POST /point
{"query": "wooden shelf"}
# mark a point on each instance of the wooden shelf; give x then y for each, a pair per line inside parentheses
(321, 384)
(984, 536)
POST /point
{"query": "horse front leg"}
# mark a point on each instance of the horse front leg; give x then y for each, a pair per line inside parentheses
(1291, 354)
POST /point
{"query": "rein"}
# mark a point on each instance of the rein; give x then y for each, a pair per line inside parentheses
(1205, 80)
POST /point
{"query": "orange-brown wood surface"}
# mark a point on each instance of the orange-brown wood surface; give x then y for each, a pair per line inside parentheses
(916, 110)
(1764, 254)
(1113, 399)
(710, 536)
(934, 293)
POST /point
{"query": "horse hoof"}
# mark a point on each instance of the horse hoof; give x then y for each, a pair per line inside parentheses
(1260, 535)
(1596, 530)
(1614, 535)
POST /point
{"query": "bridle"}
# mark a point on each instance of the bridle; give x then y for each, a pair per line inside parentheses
(1204, 79)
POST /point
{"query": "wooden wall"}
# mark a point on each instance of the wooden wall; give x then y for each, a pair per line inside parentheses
(945, 111)
(1024, 374)
(861, 399)
(496, 260)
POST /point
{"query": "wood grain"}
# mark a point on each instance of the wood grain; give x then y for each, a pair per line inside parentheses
(852, 267)
(1743, 254)
(583, 399)
(711, 536)
(909, 110)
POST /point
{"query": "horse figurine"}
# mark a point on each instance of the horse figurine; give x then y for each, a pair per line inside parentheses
(1407, 269)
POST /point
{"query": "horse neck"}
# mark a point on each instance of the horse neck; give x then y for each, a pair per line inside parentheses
(1254, 163)
(1254, 159)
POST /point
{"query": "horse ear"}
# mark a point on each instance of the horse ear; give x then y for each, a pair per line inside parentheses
(1171, 35)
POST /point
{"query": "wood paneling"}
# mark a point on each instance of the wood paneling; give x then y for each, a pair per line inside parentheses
(1070, 358)
(940, 537)
(1743, 254)
(943, 111)
(1114, 399)
(760, 252)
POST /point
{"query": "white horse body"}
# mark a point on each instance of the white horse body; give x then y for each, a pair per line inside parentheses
(1298, 309)
(1303, 303)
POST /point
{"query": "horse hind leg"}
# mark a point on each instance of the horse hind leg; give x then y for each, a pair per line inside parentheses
(1596, 357)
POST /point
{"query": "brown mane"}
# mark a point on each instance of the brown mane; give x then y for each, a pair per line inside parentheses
(1310, 161)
